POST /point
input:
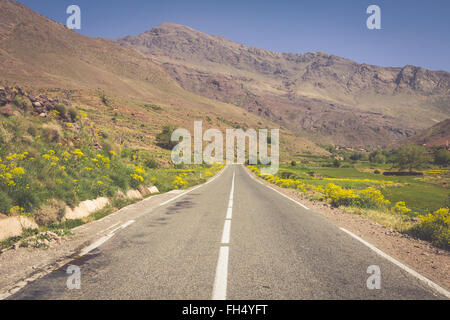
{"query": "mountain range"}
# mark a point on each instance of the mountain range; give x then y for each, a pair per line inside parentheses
(315, 98)
(322, 96)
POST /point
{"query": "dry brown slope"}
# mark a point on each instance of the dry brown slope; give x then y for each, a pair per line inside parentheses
(437, 135)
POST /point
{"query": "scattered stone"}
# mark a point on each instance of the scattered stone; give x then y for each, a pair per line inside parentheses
(153, 190)
(37, 104)
(7, 110)
(134, 194)
(144, 191)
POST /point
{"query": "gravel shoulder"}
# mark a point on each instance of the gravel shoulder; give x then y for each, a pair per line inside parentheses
(431, 262)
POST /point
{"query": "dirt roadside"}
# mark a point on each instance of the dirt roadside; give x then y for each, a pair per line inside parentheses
(421, 256)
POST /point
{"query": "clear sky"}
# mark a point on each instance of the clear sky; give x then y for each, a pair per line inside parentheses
(413, 32)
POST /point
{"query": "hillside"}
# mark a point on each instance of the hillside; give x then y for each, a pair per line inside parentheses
(437, 135)
(327, 97)
(127, 95)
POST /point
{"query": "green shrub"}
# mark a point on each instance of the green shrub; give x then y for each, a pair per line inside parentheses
(163, 139)
(73, 114)
(336, 163)
(153, 107)
(23, 102)
(51, 134)
(151, 163)
(61, 109)
(5, 202)
(32, 131)
(442, 157)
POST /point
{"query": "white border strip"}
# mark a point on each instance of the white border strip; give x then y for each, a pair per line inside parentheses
(96, 244)
(103, 239)
(401, 265)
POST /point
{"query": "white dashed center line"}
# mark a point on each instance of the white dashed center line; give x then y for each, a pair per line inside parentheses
(220, 282)
(226, 232)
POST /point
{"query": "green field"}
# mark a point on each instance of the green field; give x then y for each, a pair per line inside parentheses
(419, 194)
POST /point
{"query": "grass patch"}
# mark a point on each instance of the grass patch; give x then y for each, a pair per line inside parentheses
(386, 219)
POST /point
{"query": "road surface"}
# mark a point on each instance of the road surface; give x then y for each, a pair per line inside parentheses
(232, 238)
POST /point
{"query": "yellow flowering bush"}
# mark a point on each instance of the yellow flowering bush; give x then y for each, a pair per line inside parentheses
(16, 210)
(208, 174)
(179, 183)
(372, 198)
(400, 208)
(10, 170)
(140, 170)
(137, 177)
(78, 153)
(434, 227)
(339, 196)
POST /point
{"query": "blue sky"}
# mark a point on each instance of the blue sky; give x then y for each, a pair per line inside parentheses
(413, 31)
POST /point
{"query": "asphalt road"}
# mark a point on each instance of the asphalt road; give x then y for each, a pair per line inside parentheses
(264, 247)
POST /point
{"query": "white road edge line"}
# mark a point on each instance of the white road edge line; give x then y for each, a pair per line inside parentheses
(195, 188)
(401, 265)
(128, 223)
(96, 244)
(300, 204)
(103, 239)
(112, 226)
(220, 283)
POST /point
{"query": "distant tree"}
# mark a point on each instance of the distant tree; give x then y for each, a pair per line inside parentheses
(356, 156)
(377, 157)
(163, 139)
(411, 157)
(336, 163)
(293, 163)
(442, 157)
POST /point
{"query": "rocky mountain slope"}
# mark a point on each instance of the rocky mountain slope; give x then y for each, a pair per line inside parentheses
(330, 98)
(437, 135)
